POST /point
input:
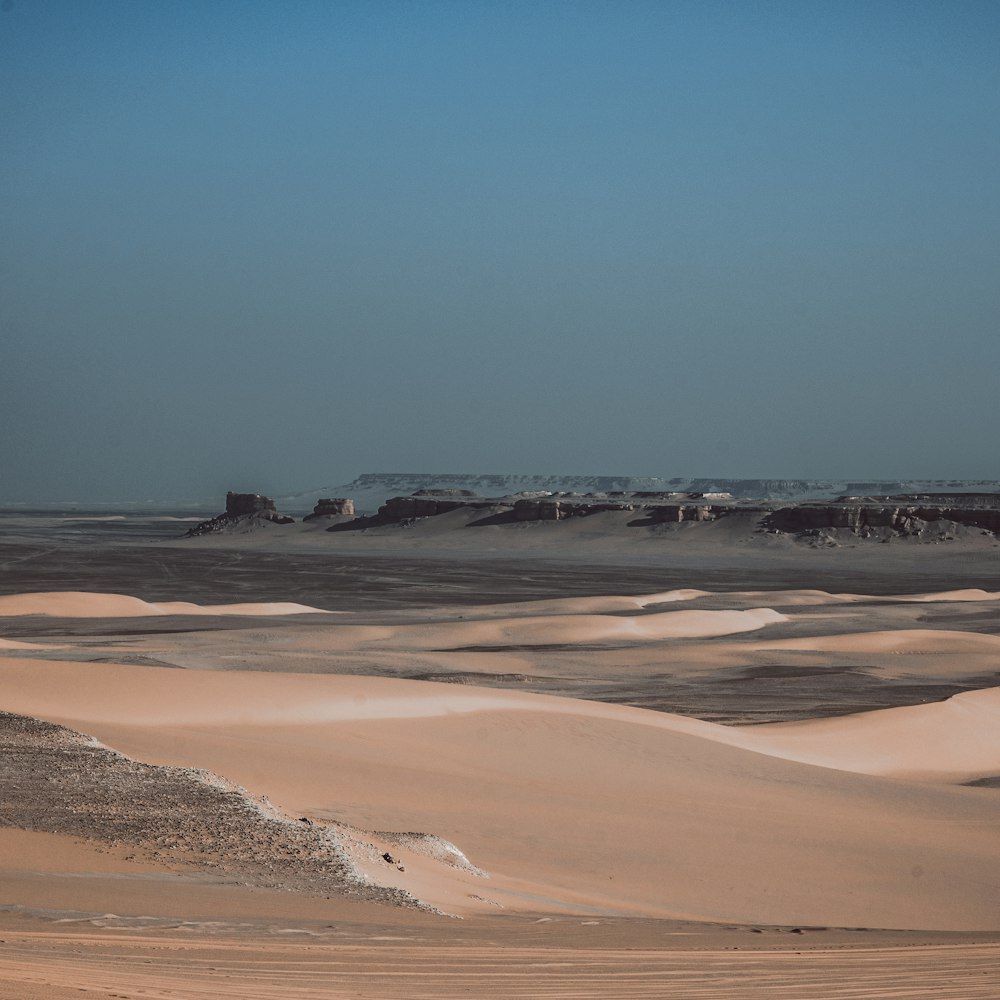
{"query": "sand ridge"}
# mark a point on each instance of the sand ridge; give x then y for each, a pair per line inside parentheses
(390, 754)
(79, 604)
(531, 806)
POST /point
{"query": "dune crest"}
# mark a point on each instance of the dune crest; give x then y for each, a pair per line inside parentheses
(954, 740)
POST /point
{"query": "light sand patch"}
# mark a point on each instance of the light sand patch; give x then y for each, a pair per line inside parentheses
(16, 644)
(75, 604)
(553, 629)
(908, 642)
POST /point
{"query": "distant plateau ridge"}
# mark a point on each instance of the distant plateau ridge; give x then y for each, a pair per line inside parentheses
(371, 490)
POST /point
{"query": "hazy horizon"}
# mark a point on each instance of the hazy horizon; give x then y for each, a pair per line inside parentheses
(266, 247)
(278, 491)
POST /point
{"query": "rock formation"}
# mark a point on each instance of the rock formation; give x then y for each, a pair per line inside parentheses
(427, 505)
(901, 515)
(371, 490)
(331, 507)
(900, 518)
(244, 512)
(863, 516)
(238, 504)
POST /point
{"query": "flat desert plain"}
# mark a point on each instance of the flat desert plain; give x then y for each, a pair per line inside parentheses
(293, 767)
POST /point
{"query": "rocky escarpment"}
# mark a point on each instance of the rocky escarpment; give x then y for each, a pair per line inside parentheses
(897, 514)
(244, 512)
(900, 515)
(371, 490)
(654, 506)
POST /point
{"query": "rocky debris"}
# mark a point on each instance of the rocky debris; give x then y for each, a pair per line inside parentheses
(244, 512)
(55, 780)
(331, 507)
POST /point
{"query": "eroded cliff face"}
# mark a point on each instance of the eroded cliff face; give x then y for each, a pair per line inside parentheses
(371, 490)
(426, 504)
(928, 515)
(864, 517)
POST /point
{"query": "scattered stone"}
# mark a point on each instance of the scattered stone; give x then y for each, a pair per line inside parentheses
(55, 780)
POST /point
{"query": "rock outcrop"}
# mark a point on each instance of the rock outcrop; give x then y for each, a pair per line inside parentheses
(331, 507)
(901, 515)
(238, 504)
(371, 490)
(903, 519)
(426, 505)
(559, 508)
(244, 512)
(863, 516)
(544, 506)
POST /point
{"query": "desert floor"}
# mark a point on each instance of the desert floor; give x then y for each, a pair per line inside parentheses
(592, 765)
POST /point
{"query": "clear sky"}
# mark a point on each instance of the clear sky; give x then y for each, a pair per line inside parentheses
(271, 245)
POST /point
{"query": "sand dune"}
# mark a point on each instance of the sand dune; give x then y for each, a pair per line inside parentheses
(70, 604)
(915, 642)
(82, 604)
(553, 629)
(592, 849)
(15, 644)
(957, 740)
(567, 804)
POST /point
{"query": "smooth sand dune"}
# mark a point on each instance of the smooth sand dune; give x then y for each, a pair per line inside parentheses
(15, 644)
(76, 604)
(548, 630)
(808, 598)
(912, 642)
(103, 693)
(600, 808)
(574, 605)
(969, 594)
(953, 740)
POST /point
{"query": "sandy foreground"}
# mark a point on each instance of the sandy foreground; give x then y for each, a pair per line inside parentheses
(845, 844)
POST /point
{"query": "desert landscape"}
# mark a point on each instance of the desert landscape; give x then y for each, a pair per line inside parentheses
(526, 759)
(498, 500)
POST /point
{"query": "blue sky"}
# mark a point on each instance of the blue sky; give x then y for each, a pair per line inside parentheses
(272, 245)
